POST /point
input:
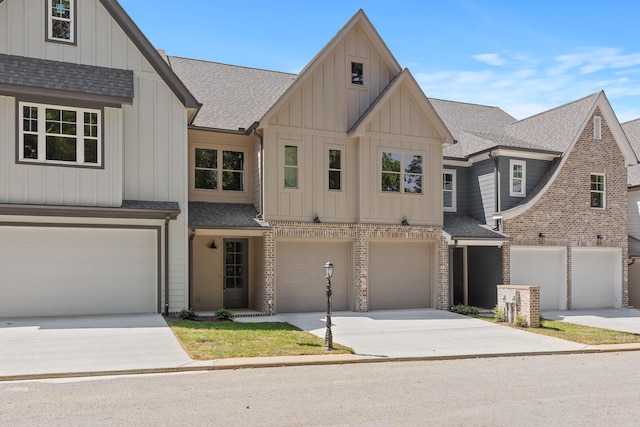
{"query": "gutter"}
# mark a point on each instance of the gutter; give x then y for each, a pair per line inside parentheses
(496, 186)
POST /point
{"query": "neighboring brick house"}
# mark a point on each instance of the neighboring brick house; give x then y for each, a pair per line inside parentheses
(340, 162)
(555, 185)
(632, 129)
(93, 163)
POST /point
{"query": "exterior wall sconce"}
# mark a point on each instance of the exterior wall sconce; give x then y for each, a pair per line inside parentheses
(213, 245)
(404, 221)
(316, 219)
(599, 237)
(328, 337)
(541, 238)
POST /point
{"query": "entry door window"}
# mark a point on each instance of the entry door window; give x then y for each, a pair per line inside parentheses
(235, 273)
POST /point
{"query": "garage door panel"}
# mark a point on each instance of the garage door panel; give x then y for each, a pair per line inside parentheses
(300, 276)
(71, 271)
(596, 279)
(400, 275)
(545, 267)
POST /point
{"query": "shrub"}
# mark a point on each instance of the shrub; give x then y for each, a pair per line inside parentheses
(467, 310)
(521, 321)
(224, 314)
(188, 314)
(499, 314)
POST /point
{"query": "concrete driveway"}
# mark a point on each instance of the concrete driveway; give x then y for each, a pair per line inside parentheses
(35, 346)
(423, 333)
(617, 319)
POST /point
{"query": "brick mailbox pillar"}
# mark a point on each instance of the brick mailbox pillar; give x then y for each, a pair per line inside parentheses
(525, 301)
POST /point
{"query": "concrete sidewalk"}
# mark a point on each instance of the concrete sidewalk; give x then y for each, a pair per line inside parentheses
(111, 345)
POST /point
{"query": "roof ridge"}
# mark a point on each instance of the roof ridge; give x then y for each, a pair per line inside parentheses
(230, 65)
(575, 101)
(466, 103)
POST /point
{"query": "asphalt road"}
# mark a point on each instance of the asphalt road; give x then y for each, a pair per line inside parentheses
(591, 389)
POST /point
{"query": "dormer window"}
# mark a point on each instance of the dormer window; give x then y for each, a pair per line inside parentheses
(357, 73)
(61, 25)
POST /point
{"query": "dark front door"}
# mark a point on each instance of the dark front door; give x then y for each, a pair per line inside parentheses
(457, 266)
(236, 286)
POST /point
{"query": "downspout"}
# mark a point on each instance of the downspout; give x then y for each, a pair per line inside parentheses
(166, 266)
(496, 186)
(261, 138)
(192, 235)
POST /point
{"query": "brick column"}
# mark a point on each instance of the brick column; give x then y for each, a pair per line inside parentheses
(362, 273)
(269, 273)
(506, 263)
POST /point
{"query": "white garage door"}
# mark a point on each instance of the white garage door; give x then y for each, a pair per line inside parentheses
(72, 271)
(596, 279)
(400, 275)
(300, 276)
(545, 267)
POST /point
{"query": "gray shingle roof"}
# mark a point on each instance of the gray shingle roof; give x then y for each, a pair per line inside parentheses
(223, 215)
(557, 128)
(55, 75)
(139, 204)
(460, 226)
(232, 96)
(632, 130)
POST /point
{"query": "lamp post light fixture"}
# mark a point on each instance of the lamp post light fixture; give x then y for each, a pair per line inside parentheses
(328, 337)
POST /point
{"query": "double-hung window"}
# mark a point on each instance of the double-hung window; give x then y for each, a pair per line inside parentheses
(517, 178)
(61, 21)
(290, 166)
(211, 164)
(335, 170)
(598, 199)
(449, 190)
(60, 135)
(402, 173)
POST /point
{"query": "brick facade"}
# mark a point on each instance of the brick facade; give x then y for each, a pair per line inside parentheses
(564, 214)
(359, 234)
(527, 303)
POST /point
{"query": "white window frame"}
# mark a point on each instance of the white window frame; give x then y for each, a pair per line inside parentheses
(338, 170)
(603, 191)
(219, 169)
(453, 191)
(42, 135)
(523, 179)
(286, 166)
(403, 172)
(71, 20)
(597, 127)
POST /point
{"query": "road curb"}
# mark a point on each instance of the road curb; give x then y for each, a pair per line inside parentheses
(293, 361)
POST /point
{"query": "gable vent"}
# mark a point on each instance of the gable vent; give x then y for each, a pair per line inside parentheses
(597, 127)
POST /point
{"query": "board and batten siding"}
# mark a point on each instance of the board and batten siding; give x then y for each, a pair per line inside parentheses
(145, 143)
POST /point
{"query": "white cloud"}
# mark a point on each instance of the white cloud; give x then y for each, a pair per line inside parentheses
(490, 58)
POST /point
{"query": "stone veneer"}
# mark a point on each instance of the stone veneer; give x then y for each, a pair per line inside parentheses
(564, 214)
(360, 234)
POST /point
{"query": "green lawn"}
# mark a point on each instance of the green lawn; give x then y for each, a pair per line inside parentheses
(580, 334)
(217, 340)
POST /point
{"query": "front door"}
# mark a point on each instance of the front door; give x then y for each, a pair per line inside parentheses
(236, 283)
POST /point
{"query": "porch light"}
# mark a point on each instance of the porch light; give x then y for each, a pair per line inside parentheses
(599, 237)
(328, 337)
(213, 245)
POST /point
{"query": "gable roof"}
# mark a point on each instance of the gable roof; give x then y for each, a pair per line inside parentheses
(569, 121)
(632, 129)
(404, 78)
(359, 19)
(233, 97)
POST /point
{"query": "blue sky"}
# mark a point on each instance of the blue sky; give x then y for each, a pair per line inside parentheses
(522, 56)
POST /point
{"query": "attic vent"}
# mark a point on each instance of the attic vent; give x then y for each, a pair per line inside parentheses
(597, 127)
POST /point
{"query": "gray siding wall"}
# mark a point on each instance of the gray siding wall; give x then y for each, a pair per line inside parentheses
(535, 169)
(481, 193)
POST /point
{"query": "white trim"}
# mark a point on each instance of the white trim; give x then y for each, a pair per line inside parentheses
(454, 191)
(71, 20)
(523, 178)
(328, 168)
(597, 127)
(603, 191)
(474, 158)
(41, 134)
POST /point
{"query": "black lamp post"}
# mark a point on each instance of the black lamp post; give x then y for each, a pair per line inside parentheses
(328, 338)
